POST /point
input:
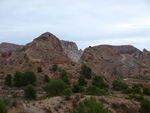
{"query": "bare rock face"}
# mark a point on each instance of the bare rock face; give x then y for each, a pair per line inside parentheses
(71, 50)
(46, 49)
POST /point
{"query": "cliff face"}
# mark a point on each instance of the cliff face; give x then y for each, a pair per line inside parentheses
(71, 50)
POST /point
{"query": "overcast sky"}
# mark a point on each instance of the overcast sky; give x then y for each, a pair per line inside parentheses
(86, 22)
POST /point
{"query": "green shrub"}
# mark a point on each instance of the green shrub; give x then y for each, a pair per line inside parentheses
(54, 67)
(18, 79)
(137, 86)
(91, 106)
(66, 80)
(3, 108)
(55, 87)
(67, 92)
(86, 71)
(146, 91)
(136, 97)
(8, 80)
(77, 89)
(46, 78)
(128, 91)
(145, 106)
(28, 78)
(39, 69)
(99, 82)
(63, 73)
(82, 81)
(94, 90)
(119, 86)
(30, 92)
(6, 100)
(137, 90)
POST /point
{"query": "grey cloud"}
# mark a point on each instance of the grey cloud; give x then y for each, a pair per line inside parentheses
(81, 21)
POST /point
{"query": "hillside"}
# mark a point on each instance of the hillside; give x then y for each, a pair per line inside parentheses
(116, 76)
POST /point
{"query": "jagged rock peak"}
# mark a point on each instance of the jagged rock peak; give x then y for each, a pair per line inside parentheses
(45, 36)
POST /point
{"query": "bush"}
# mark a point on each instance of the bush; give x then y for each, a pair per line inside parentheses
(66, 80)
(28, 78)
(146, 91)
(46, 78)
(99, 82)
(39, 69)
(91, 106)
(86, 71)
(145, 106)
(3, 108)
(18, 79)
(82, 81)
(128, 91)
(30, 92)
(63, 73)
(137, 88)
(67, 92)
(8, 80)
(54, 67)
(94, 90)
(119, 86)
(55, 87)
(78, 89)
(135, 97)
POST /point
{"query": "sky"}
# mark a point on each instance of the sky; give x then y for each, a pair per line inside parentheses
(86, 22)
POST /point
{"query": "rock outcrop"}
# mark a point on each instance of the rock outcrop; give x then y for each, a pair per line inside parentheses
(71, 50)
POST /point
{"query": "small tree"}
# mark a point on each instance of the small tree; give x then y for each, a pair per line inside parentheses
(146, 91)
(77, 89)
(39, 69)
(46, 78)
(30, 92)
(18, 79)
(54, 67)
(145, 106)
(91, 106)
(55, 87)
(29, 78)
(94, 90)
(67, 92)
(3, 108)
(86, 71)
(66, 80)
(82, 81)
(63, 73)
(99, 82)
(8, 80)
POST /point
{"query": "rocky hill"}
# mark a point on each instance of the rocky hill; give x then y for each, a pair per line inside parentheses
(117, 60)
(8, 47)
